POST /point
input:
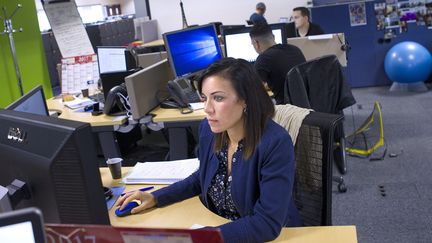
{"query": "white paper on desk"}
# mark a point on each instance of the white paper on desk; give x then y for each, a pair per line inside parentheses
(166, 172)
(197, 106)
(196, 226)
(78, 103)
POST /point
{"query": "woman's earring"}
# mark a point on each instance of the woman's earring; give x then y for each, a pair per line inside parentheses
(245, 110)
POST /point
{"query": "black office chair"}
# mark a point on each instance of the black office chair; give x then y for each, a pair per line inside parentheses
(314, 158)
(319, 84)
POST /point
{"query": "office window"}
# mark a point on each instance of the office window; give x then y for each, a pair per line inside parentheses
(91, 13)
(113, 10)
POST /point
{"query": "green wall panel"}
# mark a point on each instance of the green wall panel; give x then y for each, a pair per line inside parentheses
(30, 53)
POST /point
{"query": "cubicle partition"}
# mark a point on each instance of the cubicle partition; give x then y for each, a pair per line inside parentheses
(321, 45)
(148, 59)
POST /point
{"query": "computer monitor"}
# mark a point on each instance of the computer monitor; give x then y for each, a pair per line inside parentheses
(227, 27)
(148, 59)
(57, 160)
(238, 42)
(110, 80)
(25, 225)
(148, 88)
(114, 59)
(193, 49)
(32, 102)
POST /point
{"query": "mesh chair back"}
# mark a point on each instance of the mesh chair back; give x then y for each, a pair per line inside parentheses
(313, 178)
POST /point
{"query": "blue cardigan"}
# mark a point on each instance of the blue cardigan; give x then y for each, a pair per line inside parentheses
(261, 186)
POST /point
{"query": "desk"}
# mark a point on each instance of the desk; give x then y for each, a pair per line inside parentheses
(186, 213)
(102, 125)
(154, 43)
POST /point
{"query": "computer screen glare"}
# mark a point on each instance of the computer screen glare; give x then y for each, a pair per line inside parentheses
(240, 46)
(191, 50)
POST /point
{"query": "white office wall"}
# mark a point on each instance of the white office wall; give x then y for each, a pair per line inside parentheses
(127, 6)
(140, 8)
(168, 13)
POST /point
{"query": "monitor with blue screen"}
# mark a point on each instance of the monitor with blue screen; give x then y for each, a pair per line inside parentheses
(193, 49)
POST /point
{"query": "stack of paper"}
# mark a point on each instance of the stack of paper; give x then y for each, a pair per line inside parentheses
(166, 172)
(78, 103)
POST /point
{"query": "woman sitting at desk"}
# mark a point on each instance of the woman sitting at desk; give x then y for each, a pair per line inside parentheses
(246, 171)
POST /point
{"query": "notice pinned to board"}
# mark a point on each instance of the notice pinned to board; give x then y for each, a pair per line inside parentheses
(79, 73)
(68, 28)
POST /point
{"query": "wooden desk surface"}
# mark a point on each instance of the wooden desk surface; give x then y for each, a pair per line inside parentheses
(186, 213)
(69, 114)
(159, 42)
(174, 115)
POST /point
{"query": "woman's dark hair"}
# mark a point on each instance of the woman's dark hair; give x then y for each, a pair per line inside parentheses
(249, 87)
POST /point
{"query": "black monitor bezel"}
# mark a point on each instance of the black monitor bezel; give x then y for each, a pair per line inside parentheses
(33, 131)
(168, 50)
(228, 27)
(247, 29)
(26, 96)
(32, 215)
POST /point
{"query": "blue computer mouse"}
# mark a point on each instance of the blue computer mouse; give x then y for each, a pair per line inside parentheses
(126, 210)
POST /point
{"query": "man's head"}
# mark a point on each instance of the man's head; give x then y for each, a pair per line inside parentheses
(262, 37)
(301, 16)
(261, 8)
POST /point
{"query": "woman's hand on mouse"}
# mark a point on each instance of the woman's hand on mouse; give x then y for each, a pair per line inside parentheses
(147, 201)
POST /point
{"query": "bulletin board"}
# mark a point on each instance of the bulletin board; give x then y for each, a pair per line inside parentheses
(370, 42)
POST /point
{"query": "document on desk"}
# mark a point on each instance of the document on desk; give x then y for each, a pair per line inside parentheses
(197, 106)
(166, 172)
(78, 103)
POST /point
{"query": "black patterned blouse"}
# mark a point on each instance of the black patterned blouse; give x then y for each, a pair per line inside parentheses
(220, 187)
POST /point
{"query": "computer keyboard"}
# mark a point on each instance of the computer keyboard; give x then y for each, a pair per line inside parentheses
(99, 97)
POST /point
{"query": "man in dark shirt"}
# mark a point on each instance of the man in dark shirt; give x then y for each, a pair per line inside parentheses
(274, 60)
(302, 25)
(258, 16)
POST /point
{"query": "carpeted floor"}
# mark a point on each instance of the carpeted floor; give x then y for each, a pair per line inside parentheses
(390, 200)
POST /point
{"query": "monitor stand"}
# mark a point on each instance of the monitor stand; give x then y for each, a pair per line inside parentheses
(5, 205)
(12, 194)
(412, 87)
